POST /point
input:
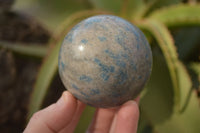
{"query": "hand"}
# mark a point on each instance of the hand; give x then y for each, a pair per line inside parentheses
(63, 116)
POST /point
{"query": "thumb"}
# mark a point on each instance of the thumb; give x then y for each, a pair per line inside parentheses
(55, 117)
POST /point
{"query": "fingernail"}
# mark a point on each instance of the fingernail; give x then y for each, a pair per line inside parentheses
(137, 100)
(61, 100)
(130, 102)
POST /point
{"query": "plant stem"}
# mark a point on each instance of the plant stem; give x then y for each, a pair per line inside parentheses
(28, 50)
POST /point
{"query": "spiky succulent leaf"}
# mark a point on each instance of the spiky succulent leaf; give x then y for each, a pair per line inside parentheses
(157, 102)
(166, 43)
(178, 15)
(133, 9)
(187, 121)
(194, 68)
(156, 4)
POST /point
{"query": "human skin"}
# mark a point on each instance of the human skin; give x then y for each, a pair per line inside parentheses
(63, 116)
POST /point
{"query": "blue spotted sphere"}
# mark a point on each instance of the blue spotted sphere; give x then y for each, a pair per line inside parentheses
(105, 61)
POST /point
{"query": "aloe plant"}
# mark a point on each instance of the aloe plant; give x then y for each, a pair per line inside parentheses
(170, 102)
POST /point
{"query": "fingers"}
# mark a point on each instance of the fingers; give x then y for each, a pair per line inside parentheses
(102, 120)
(70, 128)
(64, 115)
(55, 117)
(126, 119)
(137, 100)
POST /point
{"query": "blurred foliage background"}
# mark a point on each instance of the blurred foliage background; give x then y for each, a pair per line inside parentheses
(31, 32)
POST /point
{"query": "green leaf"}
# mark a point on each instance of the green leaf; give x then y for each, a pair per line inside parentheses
(188, 121)
(157, 103)
(194, 69)
(61, 6)
(109, 5)
(132, 9)
(50, 64)
(136, 9)
(142, 8)
(162, 3)
(166, 44)
(144, 126)
(29, 50)
(178, 15)
(85, 119)
(44, 78)
(185, 85)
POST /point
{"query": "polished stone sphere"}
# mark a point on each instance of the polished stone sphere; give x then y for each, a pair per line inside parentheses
(105, 61)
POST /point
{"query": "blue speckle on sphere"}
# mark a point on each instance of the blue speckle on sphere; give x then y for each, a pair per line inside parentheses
(138, 46)
(122, 76)
(85, 78)
(90, 22)
(84, 41)
(121, 63)
(104, 67)
(102, 38)
(69, 37)
(105, 76)
(75, 87)
(81, 92)
(119, 39)
(133, 30)
(84, 94)
(118, 58)
(76, 27)
(62, 65)
(105, 61)
(105, 70)
(94, 91)
(139, 77)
